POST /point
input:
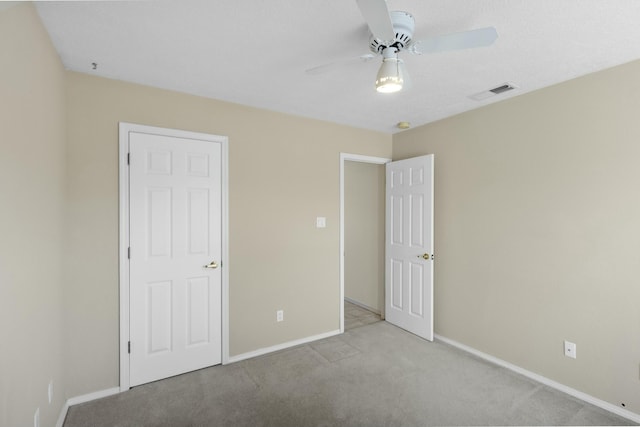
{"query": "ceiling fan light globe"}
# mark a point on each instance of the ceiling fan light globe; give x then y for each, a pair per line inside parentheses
(389, 85)
(389, 78)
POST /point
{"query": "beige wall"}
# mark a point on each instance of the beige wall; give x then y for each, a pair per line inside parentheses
(284, 171)
(32, 163)
(364, 191)
(537, 230)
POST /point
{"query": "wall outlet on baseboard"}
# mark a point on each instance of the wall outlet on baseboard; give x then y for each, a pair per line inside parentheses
(279, 315)
(570, 349)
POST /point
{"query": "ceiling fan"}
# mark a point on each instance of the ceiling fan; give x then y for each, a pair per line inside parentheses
(392, 33)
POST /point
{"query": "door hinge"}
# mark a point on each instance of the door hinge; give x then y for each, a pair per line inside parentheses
(129, 252)
(128, 158)
(129, 347)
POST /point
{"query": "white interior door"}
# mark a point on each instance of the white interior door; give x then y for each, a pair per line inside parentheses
(175, 239)
(409, 245)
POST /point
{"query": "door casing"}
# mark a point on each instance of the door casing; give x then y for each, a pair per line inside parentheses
(124, 129)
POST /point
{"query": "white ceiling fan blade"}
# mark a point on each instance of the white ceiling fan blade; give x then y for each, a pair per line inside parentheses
(376, 13)
(464, 40)
(329, 66)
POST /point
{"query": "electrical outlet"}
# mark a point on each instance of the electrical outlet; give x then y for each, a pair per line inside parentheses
(279, 315)
(36, 418)
(50, 391)
(570, 349)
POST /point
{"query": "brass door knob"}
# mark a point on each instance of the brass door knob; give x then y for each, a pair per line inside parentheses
(212, 264)
(425, 256)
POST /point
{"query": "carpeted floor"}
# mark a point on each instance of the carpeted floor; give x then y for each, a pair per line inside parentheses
(355, 316)
(372, 375)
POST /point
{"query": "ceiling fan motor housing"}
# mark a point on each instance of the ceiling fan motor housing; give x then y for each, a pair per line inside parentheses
(403, 27)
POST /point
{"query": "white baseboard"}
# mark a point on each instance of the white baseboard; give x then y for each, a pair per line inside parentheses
(366, 307)
(93, 396)
(63, 415)
(83, 399)
(283, 346)
(115, 390)
(544, 380)
(539, 378)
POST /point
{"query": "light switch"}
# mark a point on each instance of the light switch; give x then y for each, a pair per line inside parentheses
(321, 222)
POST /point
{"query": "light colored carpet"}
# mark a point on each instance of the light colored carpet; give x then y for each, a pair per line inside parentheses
(372, 375)
(355, 316)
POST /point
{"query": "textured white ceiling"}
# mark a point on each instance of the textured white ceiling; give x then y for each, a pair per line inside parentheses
(255, 52)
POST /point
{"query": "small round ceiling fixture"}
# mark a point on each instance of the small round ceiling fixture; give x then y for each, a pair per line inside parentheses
(403, 125)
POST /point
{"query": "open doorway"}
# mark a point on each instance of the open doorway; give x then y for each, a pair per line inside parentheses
(362, 240)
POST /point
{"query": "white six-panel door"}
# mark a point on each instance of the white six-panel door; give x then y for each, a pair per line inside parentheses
(175, 249)
(409, 245)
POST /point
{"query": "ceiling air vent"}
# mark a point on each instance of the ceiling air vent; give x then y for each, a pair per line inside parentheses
(493, 92)
(500, 89)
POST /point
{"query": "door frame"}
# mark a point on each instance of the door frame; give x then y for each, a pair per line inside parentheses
(123, 225)
(344, 157)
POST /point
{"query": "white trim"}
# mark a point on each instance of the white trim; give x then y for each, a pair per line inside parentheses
(361, 305)
(224, 182)
(124, 129)
(352, 158)
(539, 378)
(283, 346)
(544, 380)
(93, 396)
(63, 414)
(123, 239)
(83, 399)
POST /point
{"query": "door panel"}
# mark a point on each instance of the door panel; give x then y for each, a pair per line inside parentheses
(159, 222)
(198, 289)
(409, 275)
(198, 217)
(175, 230)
